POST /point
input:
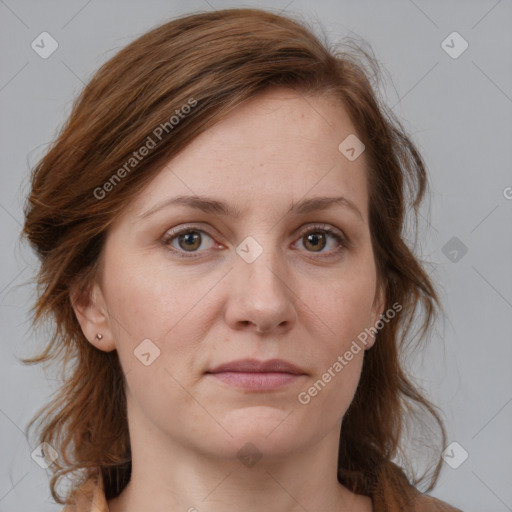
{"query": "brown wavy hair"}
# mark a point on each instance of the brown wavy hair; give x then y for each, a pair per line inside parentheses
(221, 59)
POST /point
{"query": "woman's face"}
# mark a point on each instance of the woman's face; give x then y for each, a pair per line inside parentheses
(188, 286)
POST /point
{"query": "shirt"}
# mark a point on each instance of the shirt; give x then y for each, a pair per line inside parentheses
(90, 497)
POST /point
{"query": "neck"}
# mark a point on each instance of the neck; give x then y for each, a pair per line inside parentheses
(179, 478)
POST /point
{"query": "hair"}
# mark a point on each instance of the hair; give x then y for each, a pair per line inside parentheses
(216, 61)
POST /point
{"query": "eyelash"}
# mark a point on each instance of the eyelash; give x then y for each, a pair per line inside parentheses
(341, 239)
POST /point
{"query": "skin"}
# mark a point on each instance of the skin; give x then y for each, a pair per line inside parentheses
(187, 427)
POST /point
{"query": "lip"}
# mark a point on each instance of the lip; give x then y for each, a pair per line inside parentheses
(251, 374)
(255, 366)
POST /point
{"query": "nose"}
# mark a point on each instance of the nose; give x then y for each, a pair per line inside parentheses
(261, 296)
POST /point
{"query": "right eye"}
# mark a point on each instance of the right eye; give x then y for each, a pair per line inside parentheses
(185, 240)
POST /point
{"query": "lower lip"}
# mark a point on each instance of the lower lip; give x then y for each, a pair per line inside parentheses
(264, 381)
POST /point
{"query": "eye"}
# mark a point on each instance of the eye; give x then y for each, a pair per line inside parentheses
(316, 238)
(185, 240)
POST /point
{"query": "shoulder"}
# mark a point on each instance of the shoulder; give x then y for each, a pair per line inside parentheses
(426, 503)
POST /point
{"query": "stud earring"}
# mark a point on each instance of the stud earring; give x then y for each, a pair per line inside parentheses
(99, 336)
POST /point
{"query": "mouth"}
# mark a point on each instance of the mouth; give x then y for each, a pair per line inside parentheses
(254, 375)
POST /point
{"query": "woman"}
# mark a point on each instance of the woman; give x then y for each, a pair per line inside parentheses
(220, 231)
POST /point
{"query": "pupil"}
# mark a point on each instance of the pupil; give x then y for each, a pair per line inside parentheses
(190, 238)
(315, 238)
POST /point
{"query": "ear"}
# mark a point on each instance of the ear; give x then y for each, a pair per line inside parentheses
(376, 311)
(92, 314)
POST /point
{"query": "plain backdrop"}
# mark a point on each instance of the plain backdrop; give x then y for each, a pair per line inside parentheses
(456, 104)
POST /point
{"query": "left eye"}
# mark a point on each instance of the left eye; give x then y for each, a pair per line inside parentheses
(317, 239)
(190, 239)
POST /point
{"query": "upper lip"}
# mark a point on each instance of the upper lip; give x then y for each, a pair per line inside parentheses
(255, 366)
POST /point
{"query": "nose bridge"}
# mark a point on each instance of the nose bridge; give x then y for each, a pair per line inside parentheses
(262, 293)
(261, 266)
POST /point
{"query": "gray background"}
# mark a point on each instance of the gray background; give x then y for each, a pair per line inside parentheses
(459, 112)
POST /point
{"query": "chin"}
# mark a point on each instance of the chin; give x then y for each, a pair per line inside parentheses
(266, 429)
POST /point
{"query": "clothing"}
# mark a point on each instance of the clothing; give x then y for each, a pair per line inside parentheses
(90, 497)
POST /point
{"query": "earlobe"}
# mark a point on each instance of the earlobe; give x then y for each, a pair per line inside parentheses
(90, 310)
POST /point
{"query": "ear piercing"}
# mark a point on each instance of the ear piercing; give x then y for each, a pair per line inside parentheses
(99, 336)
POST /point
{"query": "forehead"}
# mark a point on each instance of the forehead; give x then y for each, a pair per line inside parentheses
(274, 149)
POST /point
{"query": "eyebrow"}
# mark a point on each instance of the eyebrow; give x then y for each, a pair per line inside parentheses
(214, 206)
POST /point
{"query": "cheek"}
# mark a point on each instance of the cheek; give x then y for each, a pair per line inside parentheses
(344, 308)
(343, 315)
(161, 306)
(149, 299)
